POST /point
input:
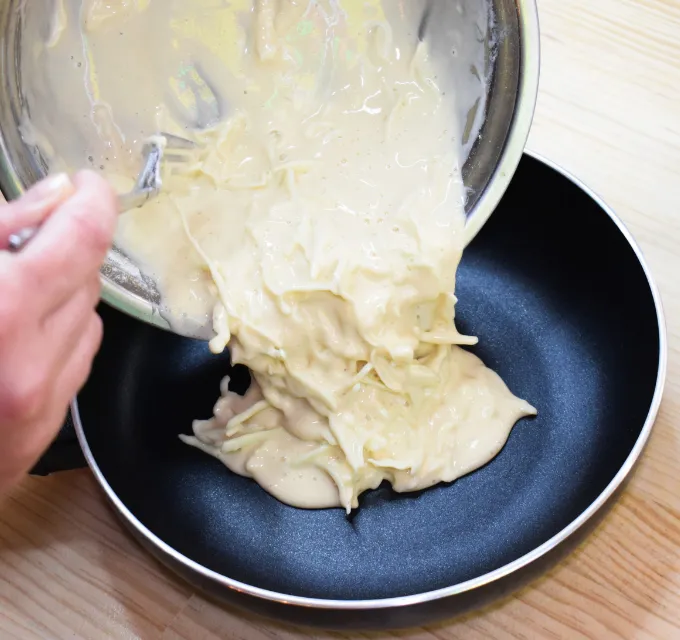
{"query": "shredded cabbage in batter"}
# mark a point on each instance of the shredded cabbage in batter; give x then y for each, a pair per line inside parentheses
(322, 220)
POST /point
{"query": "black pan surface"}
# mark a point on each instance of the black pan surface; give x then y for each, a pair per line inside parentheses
(564, 312)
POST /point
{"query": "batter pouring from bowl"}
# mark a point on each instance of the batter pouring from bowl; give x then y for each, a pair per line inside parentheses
(319, 220)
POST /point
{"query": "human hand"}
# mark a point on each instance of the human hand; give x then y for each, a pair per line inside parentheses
(49, 329)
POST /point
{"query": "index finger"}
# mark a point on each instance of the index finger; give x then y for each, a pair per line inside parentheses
(72, 243)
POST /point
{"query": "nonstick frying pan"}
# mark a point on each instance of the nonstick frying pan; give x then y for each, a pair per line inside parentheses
(565, 311)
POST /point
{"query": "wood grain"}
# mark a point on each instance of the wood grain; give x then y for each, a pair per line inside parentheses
(609, 112)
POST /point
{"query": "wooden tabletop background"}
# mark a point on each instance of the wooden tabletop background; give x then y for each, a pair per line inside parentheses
(608, 111)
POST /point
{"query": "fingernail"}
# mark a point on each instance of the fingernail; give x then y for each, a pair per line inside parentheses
(51, 190)
(57, 184)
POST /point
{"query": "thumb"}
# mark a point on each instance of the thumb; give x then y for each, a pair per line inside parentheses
(34, 206)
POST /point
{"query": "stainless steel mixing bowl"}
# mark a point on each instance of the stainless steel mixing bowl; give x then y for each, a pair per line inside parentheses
(496, 40)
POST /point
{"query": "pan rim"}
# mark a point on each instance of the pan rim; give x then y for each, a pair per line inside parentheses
(468, 585)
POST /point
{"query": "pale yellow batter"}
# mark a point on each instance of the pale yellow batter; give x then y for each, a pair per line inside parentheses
(319, 220)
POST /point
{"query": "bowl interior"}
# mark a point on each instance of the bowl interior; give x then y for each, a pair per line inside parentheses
(476, 44)
(564, 312)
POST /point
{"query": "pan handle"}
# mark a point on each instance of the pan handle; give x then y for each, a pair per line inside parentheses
(64, 453)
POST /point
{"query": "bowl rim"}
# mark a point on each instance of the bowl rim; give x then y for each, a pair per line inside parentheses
(142, 531)
(520, 125)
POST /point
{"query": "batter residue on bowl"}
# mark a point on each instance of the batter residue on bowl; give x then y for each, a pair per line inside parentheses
(320, 220)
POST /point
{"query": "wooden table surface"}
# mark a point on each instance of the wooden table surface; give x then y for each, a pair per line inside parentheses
(608, 111)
